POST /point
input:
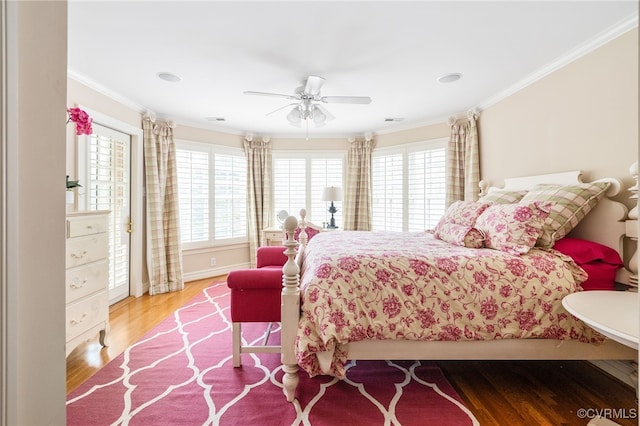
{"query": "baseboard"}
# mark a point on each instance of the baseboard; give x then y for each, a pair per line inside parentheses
(213, 272)
(625, 371)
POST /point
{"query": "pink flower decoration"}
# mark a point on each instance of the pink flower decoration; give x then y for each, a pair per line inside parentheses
(82, 120)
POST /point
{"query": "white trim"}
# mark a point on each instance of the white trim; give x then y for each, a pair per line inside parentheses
(80, 78)
(214, 272)
(625, 371)
(6, 385)
(589, 46)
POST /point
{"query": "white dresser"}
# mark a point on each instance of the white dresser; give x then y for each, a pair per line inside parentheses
(87, 278)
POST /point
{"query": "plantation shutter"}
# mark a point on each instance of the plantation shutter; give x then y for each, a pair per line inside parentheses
(387, 191)
(108, 189)
(324, 172)
(193, 194)
(230, 196)
(426, 188)
(289, 185)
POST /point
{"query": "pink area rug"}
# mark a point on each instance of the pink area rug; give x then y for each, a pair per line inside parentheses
(181, 373)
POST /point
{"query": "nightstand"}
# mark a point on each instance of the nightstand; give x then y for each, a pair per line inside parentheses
(272, 236)
(611, 313)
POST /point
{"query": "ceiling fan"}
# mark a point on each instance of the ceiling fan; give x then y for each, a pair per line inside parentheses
(307, 106)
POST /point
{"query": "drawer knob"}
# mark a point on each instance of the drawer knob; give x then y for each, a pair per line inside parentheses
(74, 321)
(75, 285)
(78, 255)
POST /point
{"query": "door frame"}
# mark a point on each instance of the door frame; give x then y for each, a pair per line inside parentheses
(137, 285)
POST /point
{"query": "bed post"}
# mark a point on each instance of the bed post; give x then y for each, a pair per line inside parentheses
(290, 311)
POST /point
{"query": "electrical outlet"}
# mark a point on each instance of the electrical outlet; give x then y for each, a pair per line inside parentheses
(213, 261)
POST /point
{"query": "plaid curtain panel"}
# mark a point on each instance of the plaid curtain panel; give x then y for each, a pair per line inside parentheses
(164, 254)
(357, 196)
(462, 174)
(259, 176)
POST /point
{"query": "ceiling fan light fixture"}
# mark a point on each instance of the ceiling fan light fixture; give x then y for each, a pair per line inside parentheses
(294, 116)
(319, 117)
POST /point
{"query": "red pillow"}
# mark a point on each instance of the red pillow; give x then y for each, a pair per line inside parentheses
(599, 261)
(602, 276)
(583, 251)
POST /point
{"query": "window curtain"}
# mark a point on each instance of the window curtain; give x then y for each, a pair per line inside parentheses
(164, 254)
(259, 176)
(357, 197)
(463, 165)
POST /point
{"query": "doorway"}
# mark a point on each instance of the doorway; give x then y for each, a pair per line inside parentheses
(107, 177)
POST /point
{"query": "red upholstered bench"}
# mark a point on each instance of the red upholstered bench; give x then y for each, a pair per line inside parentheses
(255, 297)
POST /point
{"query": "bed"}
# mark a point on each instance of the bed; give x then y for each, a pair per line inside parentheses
(353, 295)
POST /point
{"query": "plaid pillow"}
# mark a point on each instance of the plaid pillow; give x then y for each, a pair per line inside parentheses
(502, 197)
(570, 204)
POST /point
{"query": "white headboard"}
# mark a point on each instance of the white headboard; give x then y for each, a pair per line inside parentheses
(604, 224)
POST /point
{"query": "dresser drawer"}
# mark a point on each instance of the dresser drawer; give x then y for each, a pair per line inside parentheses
(87, 279)
(80, 226)
(83, 250)
(86, 313)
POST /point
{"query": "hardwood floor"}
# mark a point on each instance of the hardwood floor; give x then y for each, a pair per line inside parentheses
(129, 320)
(497, 392)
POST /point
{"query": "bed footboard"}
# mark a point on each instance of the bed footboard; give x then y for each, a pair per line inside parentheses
(290, 311)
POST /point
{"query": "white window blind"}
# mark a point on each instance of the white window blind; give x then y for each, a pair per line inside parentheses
(212, 192)
(289, 185)
(107, 188)
(324, 172)
(299, 180)
(193, 194)
(387, 191)
(408, 187)
(426, 188)
(230, 196)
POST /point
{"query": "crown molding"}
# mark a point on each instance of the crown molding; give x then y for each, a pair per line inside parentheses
(92, 84)
(589, 46)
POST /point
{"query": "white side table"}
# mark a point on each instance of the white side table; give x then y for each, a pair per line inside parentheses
(612, 313)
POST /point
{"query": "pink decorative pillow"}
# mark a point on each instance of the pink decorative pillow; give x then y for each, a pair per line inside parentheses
(512, 228)
(460, 235)
(462, 213)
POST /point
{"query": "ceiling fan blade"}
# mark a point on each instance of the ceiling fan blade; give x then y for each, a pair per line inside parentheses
(313, 86)
(326, 113)
(281, 108)
(346, 99)
(279, 95)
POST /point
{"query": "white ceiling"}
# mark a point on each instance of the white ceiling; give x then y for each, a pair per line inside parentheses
(391, 51)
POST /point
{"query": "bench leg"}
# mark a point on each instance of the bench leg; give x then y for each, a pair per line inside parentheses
(237, 342)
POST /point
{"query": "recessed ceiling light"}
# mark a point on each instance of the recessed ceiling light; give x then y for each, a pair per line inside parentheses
(167, 76)
(215, 118)
(449, 78)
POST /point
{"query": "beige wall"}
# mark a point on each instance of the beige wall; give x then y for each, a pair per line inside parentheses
(37, 63)
(583, 117)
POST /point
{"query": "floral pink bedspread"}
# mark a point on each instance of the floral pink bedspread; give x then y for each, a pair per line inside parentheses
(388, 285)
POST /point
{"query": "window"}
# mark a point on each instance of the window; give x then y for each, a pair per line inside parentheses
(212, 192)
(298, 182)
(408, 187)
